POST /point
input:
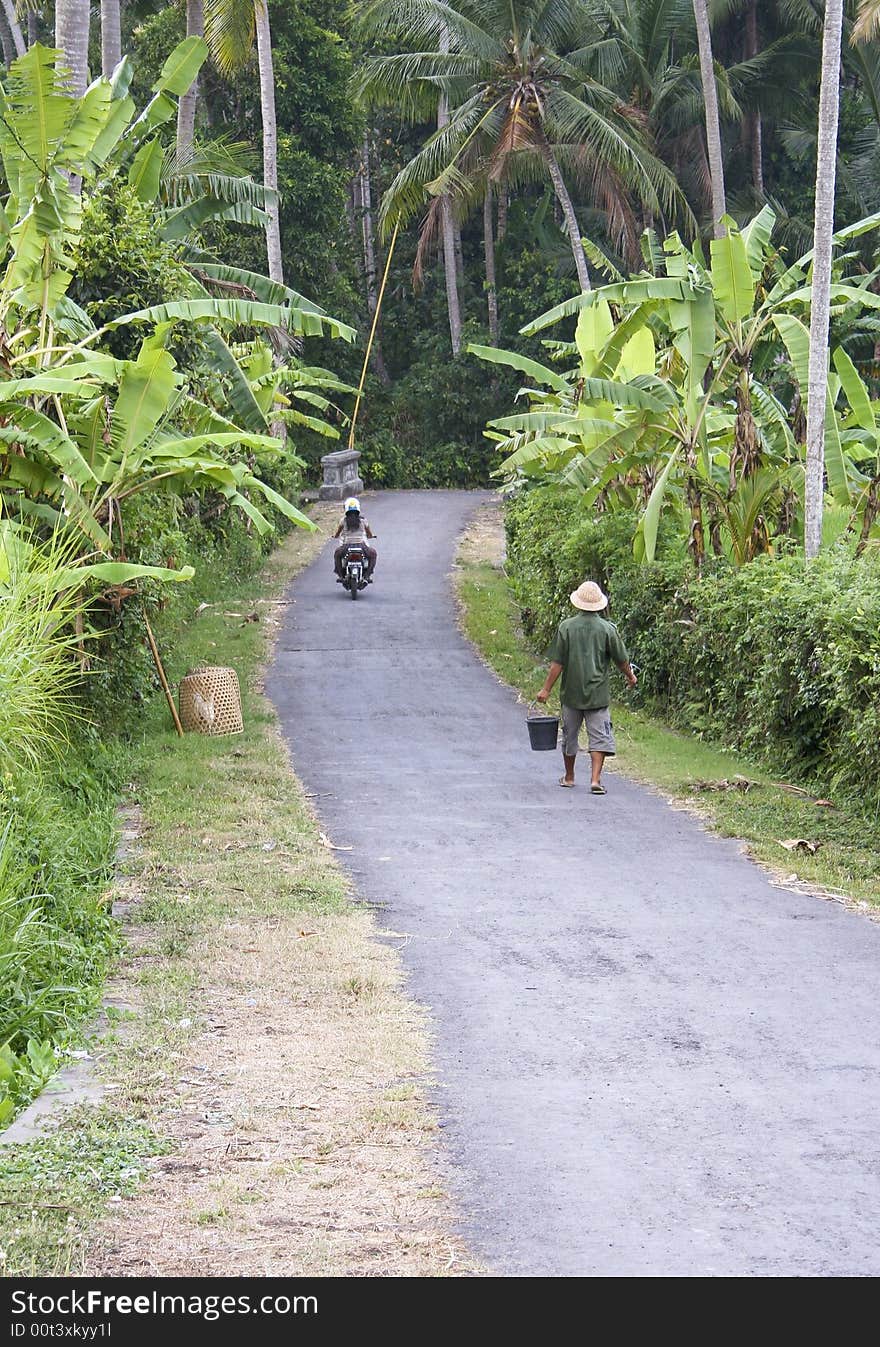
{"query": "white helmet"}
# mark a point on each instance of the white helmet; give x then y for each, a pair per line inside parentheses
(352, 504)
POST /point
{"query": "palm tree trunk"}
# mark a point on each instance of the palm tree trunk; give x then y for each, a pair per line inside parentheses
(447, 232)
(270, 138)
(489, 244)
(459, 255)
(568, 216)
(15, 33)
(826, 166)
(753, 120)
(713, 124)
(186, 108)
(111, 36)
(6, 41)
(72, 39)
(366, 205)
(503, 201)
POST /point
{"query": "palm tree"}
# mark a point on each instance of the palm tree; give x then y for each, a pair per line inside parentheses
(230, 28)
(523, 105)
(186, 108)
(823, 231)
(72, 38)
(713, 122)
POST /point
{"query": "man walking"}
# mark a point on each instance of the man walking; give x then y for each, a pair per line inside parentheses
(583, 651)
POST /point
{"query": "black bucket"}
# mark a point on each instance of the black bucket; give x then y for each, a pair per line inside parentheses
(543, 733)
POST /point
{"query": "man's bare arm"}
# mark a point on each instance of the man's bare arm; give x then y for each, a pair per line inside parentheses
(627, 670)
(549, 682)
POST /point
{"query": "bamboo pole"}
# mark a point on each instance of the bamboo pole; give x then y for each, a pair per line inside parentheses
(164, 681)
(378, 310)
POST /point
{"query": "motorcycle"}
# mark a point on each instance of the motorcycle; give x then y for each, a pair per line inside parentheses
(355, 569)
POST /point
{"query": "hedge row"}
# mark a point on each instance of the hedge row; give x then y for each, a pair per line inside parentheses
(778, 658)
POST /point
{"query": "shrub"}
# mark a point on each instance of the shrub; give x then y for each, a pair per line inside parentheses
(780, 658)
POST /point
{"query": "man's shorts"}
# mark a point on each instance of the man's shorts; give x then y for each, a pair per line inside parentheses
(599, 730)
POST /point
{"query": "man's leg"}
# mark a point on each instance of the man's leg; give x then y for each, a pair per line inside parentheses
(337, 560)
(571, 724)
(602, 745)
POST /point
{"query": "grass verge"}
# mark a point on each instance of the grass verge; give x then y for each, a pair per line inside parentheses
(846, 863)
(264, 1110)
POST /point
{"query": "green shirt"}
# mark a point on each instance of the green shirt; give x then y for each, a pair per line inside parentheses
(586, 646)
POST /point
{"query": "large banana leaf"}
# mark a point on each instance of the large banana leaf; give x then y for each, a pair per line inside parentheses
(145, 391)
(732, 280)
(119, 573)
(146, 170)
(241, 397)
(239, 312)
(182, 66)
(855, 389)
(626, 292)
(540, 373)
(756, 236)
(645, 545)
(180, 223)
(796, 338)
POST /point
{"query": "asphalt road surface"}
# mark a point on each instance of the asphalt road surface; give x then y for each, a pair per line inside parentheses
(650, 1060)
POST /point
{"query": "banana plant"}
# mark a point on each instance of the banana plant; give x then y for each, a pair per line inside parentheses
(81, 432)
(703, 422)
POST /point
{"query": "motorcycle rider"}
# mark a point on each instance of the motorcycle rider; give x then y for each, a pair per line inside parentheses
(353, 529)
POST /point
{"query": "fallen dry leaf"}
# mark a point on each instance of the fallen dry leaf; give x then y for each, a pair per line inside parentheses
(824, 804)
(799, 844)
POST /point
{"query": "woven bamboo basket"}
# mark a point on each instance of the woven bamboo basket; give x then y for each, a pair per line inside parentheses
(210, 701)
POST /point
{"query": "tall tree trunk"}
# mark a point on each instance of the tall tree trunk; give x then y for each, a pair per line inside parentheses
(270, 138)
(447, 231)
(503, 201)
(111, 36)
(186, 108)
(753, 120)
(6, 41)
(459, 255)
(72, 39)
(713, 124)
(15, 33)
(826, 169)
(366, 205)
(568, 216)
(489, 244)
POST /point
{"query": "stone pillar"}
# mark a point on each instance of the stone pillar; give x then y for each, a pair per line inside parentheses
(340, 475)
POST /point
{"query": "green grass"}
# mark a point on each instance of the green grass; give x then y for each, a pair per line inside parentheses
(847, 861)
(226, 826)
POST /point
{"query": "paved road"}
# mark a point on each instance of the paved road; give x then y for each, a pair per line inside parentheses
(651, 1062)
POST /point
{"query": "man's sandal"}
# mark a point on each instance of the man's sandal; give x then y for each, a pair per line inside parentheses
(568, 784)
(598, 790)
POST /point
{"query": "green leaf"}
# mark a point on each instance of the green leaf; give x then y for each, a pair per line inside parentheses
(856, 392)
(732, 280)
(646, 536)
(119, 573)
(241, 396)
(594, 327)
(542, 374)
(146, 170)
(756, 236)
(189, 218)
(628, 292)
(182, 66)
(145, 391)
